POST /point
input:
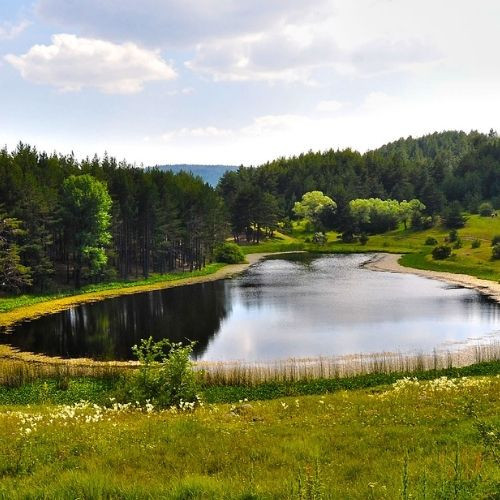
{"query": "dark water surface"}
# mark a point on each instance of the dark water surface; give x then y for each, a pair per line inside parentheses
(296, 306)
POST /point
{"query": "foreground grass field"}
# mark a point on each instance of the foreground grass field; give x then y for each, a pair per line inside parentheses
(437, 439)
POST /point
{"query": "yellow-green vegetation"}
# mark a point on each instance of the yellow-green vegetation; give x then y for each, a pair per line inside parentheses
(437, 439)
(17, 308)
(466, 259)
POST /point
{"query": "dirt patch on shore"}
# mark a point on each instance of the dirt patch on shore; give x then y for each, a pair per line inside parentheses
(390, 263)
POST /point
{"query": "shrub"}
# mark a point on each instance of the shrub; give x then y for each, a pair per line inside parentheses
(495, 254)
(165, 376)
(486, 209)
(348, 237)
(495, 240)
(476, 243)
(363, 238)
(458, 243)
(441, 252)
(229, 253)
(431, 241)
(453, 236)
(319, 238)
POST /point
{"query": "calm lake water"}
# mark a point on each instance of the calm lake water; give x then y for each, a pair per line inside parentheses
(293, 306)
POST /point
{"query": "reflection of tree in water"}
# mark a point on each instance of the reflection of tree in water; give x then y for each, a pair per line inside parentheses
(109, 329)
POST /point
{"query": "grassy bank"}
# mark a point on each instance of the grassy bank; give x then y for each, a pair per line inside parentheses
(435, 439)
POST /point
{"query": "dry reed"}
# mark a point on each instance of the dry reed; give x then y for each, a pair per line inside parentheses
(17, 370)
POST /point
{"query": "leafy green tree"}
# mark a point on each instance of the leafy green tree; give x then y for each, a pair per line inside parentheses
(410, 211)
(312, 205)
(86, 208)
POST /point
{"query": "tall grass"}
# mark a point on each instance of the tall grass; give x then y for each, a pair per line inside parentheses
(21, 368)
(293, 370)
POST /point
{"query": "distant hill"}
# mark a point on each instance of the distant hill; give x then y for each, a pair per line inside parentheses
(209, 173)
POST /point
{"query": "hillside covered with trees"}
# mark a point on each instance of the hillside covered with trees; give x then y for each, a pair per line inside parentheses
(448, 170)
(65, 222)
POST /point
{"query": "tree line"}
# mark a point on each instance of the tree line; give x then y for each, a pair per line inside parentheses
(445, 172)
(64, 221)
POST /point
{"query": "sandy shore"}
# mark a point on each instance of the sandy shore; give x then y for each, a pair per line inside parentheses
(389, 262)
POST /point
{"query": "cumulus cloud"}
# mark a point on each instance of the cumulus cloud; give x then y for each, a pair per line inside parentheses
(167, 22)
(294, 53)
(71, 63)
(287, 54)
(329, 105)
(9, 30)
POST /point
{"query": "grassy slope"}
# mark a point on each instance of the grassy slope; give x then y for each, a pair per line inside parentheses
(421, 441)
(475, 262)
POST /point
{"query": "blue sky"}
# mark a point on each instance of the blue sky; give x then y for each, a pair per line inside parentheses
(240, 82)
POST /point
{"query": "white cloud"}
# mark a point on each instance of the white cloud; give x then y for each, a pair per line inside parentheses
(174, 22)
(378, 119)
(329, 105)
(71, 63)
(296, 53)
(9, 31)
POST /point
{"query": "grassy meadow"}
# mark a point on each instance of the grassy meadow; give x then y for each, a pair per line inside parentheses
(413, 439)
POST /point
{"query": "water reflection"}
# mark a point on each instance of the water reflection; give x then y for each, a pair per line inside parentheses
(294, 307)
(108, 330)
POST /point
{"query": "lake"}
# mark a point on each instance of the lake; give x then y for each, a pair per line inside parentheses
(297, 305)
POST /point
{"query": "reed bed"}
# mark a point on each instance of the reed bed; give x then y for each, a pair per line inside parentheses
(294, 370)
(17, 369)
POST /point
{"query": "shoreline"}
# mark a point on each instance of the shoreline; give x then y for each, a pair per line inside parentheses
(386, 262)
(34, 311)
(381, 262)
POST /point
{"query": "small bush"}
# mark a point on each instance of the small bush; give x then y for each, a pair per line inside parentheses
(348, 237)
(495, 253)
(165, 376)
(307, 240)
(441, 252)
(431, 241)
(458, 243)
(319, 238)
(453, 236)
(486, 209)
(363, 238)
(476, 243)
(229, 253)
(495, 240)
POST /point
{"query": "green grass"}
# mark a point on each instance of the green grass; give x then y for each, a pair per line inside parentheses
(68, 390)
(434, 440)
(10, 303)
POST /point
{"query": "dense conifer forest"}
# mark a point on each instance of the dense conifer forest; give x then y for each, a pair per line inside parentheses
(445, 170)
(65, 222)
